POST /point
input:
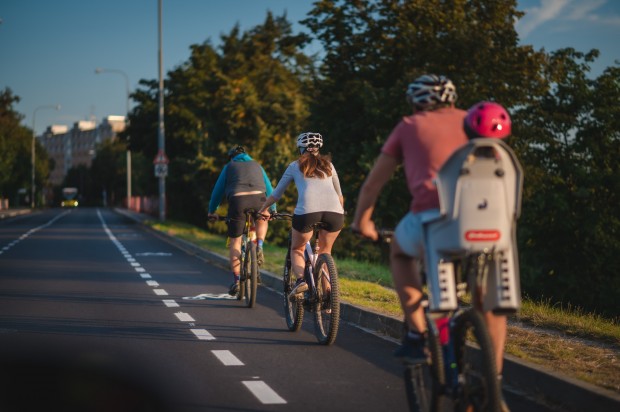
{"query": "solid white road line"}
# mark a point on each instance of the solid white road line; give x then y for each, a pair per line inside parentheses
(263, 393)
(202, 334)
(227, 358)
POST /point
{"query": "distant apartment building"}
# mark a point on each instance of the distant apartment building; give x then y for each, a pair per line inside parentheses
(78, 145)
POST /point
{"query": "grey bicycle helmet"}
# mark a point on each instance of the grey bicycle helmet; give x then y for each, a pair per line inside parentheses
(430, 90)
(309, 139)
(235, 151)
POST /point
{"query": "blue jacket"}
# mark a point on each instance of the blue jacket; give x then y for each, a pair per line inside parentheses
(220, 185)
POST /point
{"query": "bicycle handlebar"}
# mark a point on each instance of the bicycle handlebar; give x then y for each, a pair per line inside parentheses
(280, 216)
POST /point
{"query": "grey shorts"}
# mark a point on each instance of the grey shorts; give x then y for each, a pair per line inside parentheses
(409, 232)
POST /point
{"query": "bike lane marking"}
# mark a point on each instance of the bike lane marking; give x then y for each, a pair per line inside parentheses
(227, 358)
(264, 393)
(202, 334)
(258, 388)
(32, 231)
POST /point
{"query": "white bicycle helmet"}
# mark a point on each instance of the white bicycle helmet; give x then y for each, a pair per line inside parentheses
(430, 90)
(309, 139)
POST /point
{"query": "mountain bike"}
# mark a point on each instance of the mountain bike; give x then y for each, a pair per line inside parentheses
(249, 276)
(470, 266)
(322, 297)
(461, 368)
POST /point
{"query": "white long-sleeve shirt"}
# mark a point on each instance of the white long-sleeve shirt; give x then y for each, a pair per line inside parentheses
(313, 194)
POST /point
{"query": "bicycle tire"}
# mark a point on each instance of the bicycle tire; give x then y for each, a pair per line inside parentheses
(424, 384)
(327, 306)
(251, 276)
(475, 358)
(293, 310)
(243, 267)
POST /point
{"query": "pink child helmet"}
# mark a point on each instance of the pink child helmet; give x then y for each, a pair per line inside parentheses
(487, 119)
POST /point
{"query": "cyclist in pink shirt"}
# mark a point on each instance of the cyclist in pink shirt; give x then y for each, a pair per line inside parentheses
(421, 142)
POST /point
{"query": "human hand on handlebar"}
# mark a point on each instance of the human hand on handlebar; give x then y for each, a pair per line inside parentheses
(365, 229)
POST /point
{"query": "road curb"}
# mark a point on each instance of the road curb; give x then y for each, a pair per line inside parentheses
(4, 214)
(551, 388)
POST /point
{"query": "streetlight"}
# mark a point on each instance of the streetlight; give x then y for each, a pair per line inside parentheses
(99, 70)
(34, 136)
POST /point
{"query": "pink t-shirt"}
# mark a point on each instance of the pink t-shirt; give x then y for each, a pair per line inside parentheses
(423, 142)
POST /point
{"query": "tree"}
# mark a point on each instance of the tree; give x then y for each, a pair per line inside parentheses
(569, 141)
(254, 92)
(16, 149)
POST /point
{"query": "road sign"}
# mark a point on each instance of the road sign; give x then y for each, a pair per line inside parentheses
(161, 170)
(161, 158)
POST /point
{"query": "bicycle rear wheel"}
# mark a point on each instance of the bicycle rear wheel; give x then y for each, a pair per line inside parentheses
(424, 384)
(251, 275)
(293, 310)
(327, 306)
(475, 358)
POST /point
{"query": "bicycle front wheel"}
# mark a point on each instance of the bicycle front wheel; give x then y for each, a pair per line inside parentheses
(293, 310)
(251, 275)
(475, 358)
(327, 305)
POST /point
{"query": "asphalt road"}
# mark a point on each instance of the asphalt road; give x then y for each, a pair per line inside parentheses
(99, 315)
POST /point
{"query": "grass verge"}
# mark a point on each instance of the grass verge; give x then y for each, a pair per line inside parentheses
(563, 338)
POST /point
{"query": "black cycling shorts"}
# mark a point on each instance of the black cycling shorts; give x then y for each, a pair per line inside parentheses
(332, 221)
(236, 207)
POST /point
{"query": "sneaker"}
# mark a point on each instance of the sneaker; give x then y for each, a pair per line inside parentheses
(411, 351)
(300, 287)
(260, 257)
(234, 289)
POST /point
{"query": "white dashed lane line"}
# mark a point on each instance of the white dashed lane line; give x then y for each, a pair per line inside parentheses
(202, 334)
(263, 392)
(258, 388)
(227, 358)
(31, 231)
(184, 317)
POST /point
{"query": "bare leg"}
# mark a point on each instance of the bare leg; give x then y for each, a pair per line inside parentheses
(234, 254)
(407, 281)
(298, 244)
(261, 228)
(326, 241)
(497, 325)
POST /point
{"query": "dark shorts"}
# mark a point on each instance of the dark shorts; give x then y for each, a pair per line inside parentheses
(332, 221)
(236, 207)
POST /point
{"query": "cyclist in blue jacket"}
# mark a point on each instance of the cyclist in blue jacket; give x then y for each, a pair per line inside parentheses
(245, 185)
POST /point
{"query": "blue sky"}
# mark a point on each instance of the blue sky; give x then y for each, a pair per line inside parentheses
(49, 49)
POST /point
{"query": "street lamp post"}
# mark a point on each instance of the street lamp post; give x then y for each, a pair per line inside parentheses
(98, 71)
(33, 150)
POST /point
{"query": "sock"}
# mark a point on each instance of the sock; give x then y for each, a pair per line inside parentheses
(413, 335)
(260, 243)
(236, 277)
